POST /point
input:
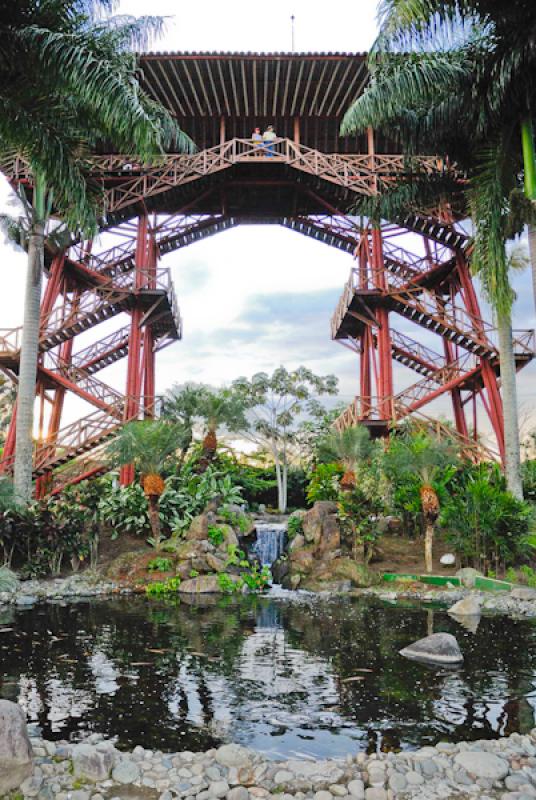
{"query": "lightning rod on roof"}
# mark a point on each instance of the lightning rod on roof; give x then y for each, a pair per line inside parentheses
(292, 18)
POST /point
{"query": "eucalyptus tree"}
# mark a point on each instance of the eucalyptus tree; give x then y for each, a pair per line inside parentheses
(68, 79)
(442, 80)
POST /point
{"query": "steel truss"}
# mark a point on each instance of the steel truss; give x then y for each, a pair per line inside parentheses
(428, 284)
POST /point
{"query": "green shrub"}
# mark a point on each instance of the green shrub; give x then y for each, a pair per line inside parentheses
(324, 482)
(294, 526)
(163, 587)
(228, 585)
(216, 535)
(486, 524)
(160, 564)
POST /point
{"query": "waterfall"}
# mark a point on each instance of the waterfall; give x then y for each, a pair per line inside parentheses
(270, 542)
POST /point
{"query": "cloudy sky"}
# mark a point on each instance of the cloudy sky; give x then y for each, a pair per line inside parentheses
(256, 297)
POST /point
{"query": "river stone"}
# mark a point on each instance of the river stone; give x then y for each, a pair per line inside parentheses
(204, 584)
(126, 772)
(468, 576)
(468, 606)
(238, 793)
(15, 747)
(218, 789)
(232, 755)
(356, 789)
(439, 648)
(480, 764)
(523, 593)
(91, 763)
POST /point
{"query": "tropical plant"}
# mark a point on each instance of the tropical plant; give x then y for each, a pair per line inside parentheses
(148, 444)
(7, 493)
(352, 448)
(277, 403)
(294, 526)
(421, 457)
(185, 404)
(455, 77)
(8, 394)
(160, 564)
(359, 512)
(324, 482)
(68, 77)
(224, 408)
(486, 524)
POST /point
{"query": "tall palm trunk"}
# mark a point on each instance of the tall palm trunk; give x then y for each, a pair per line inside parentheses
(529, 165)
(154, 519)
(29, 350)
(429, 546)
(509, 398)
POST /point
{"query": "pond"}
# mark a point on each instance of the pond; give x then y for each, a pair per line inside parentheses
(314, 678)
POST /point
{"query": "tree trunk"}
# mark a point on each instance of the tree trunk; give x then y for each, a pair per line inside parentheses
(280, 496)
(28, 365)
(284, 482)
(509, 398)
(532, 254)
(154, 519)
(428, 546)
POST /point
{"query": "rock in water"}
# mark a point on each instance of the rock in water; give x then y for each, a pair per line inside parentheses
(469, 606)
(15, 747)
(439, 648)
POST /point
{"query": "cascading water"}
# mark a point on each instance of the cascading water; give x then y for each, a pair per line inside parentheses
(270, 544)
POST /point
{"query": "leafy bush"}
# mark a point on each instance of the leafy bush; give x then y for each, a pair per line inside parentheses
(359, 514)
(324, 482)
(525, 575)
(294, 526)
(486, 524)
(163, 587)
(160, 564)
(216, 535)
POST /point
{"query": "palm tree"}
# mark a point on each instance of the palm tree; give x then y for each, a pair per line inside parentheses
(421, 457)
(350, 447)
(432, 87)
(223, 408)
(148, 444)
(68, 79)
(185, 404)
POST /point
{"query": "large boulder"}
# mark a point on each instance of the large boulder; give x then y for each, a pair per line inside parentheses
(468, 606)
(480, 764)
(297, 542)
(313, 520)
(523, 593)
(15, 747)
(215, 564)
(93, 762)
(198, 528)
(330, 540)
(439, 648)
(302, 560)
(204, 584)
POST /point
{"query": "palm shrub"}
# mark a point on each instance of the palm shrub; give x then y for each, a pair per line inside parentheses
(148, 444)
(220, 409)
(352, 448)
(486, 524)
(421, 458)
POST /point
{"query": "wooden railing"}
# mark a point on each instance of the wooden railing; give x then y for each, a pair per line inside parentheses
(125, 179)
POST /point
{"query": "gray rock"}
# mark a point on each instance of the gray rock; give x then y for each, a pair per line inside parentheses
(375, 793)
(356, 788)
(26, 600)
(232, 755)
(15, 747)
(323, 795)
(481, 764)
(88, 762)
(523, 593)
(218, 789)
(283, 776)
(448, 560)
(126, 772)
(397, 782)
(439, 648)
(238, 793)
(468, 576)
(414, 779)
(469, 606)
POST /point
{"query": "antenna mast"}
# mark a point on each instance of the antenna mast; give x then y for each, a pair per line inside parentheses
(292, 18)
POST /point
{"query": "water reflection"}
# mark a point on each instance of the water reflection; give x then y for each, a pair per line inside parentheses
(317, 679)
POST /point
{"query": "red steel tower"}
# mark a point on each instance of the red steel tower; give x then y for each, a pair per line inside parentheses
(307, 183)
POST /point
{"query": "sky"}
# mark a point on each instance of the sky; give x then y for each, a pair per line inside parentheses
(256, 297)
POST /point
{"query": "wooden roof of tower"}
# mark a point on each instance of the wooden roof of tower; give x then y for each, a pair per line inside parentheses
(247, 89)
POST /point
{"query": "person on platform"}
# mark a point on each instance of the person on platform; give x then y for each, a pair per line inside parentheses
(268, 137)
(256, 137)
